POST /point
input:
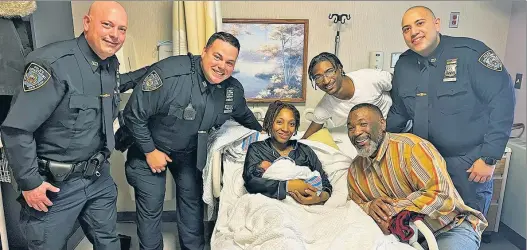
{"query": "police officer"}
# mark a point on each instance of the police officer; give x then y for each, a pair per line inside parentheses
(170, 114)
(459, 96)
(59, 134)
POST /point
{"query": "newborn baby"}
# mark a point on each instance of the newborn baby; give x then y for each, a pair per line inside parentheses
(284, 169)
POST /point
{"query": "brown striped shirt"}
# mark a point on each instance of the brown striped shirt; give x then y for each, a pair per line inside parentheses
(411, 171)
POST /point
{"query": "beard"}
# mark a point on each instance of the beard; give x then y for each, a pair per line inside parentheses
(367, 151)
(373, 142)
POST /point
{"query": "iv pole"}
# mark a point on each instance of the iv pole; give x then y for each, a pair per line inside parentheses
(338, 19)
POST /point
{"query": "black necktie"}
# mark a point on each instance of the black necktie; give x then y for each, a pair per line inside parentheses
(107, 83)
(421, 104)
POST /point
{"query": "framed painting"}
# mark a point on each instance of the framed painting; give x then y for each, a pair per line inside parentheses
(272, 63)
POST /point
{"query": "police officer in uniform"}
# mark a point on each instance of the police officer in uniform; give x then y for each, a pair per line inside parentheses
(460, 98)
(170, 115)
(59, 134)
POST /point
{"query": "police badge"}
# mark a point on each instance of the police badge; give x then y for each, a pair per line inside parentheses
(152, 82)
(450, 70)
(229, 94)
(490, 60)
(189, 113)
(35, 77)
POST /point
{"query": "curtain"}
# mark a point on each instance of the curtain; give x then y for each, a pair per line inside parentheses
(192, 24)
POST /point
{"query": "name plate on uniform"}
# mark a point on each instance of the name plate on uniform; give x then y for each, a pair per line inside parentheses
(228, 108)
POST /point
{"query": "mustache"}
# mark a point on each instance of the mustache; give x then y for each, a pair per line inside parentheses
(360, 137)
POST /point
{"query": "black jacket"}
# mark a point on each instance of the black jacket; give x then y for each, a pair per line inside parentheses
(260, 151)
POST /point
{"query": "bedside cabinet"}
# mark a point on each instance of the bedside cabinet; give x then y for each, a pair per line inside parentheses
(500, 180)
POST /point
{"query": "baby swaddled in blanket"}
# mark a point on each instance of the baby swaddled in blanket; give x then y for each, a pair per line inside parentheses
(285, 169)
(279, 166)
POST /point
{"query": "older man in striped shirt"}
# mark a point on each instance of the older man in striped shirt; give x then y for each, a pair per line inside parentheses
(402, 172)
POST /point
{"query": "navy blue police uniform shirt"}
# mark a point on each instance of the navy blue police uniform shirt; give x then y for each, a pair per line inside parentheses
(58, 113)
(155, 112)
(460, 97)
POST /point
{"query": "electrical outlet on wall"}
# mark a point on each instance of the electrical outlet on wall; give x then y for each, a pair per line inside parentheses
(518, 81)
(454, 20)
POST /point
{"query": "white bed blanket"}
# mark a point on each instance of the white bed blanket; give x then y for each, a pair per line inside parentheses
(248, 221)
(230, 133)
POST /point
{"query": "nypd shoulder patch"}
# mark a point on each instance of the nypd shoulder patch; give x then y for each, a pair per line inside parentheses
(152, 82)
(35, 77)
(490, 60)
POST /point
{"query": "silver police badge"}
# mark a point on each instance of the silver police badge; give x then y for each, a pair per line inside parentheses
(35, 77)
(490, 60)
(229, 94)
(152, 82)
(450, 70)
(189, 113)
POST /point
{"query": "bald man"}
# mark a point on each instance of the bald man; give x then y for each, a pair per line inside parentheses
(58, 134)
(460, 98)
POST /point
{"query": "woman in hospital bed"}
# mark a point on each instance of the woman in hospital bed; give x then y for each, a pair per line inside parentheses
(279, 166)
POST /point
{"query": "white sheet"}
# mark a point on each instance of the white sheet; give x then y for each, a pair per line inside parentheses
(248, 221)
(230, 133)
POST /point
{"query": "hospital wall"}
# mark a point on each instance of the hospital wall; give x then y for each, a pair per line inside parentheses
(514, 212)
(515, 59)
(374, 26)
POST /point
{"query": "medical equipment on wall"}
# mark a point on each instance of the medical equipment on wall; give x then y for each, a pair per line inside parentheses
(339, 19)
(376, 60)
(164, 49)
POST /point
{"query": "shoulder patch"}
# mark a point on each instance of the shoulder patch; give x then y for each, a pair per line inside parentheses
(490, 60)
(152, 82)
(35, 77)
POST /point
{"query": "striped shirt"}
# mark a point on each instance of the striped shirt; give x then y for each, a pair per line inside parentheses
(411, 171)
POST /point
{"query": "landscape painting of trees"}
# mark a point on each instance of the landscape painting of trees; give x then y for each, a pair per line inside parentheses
(272, 62)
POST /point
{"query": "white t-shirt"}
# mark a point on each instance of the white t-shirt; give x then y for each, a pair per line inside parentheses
(371, 86)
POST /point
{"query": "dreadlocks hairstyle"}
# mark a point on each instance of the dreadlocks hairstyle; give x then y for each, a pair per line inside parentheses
(322, 57)
(272, 112)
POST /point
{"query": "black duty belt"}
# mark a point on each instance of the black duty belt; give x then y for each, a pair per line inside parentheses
(61, 171)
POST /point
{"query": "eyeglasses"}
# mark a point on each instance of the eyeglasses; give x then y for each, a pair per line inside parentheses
(329, 74)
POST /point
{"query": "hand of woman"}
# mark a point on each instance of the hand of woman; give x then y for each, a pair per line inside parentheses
(265, 164)
(299, 185)
(311, 198)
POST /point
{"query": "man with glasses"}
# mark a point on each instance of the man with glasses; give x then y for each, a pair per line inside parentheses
(344, 91)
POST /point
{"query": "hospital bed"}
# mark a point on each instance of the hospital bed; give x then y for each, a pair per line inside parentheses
(224, 173)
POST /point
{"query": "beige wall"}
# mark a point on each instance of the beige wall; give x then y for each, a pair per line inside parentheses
(515, 56)
(513, 212)
(375, 26)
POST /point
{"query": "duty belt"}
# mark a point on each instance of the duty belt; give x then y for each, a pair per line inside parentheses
(60, 171)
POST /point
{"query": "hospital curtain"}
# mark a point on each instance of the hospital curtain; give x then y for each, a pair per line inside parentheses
(192, 24)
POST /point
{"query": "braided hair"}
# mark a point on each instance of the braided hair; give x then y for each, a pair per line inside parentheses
(273, 110)
(322, 57)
